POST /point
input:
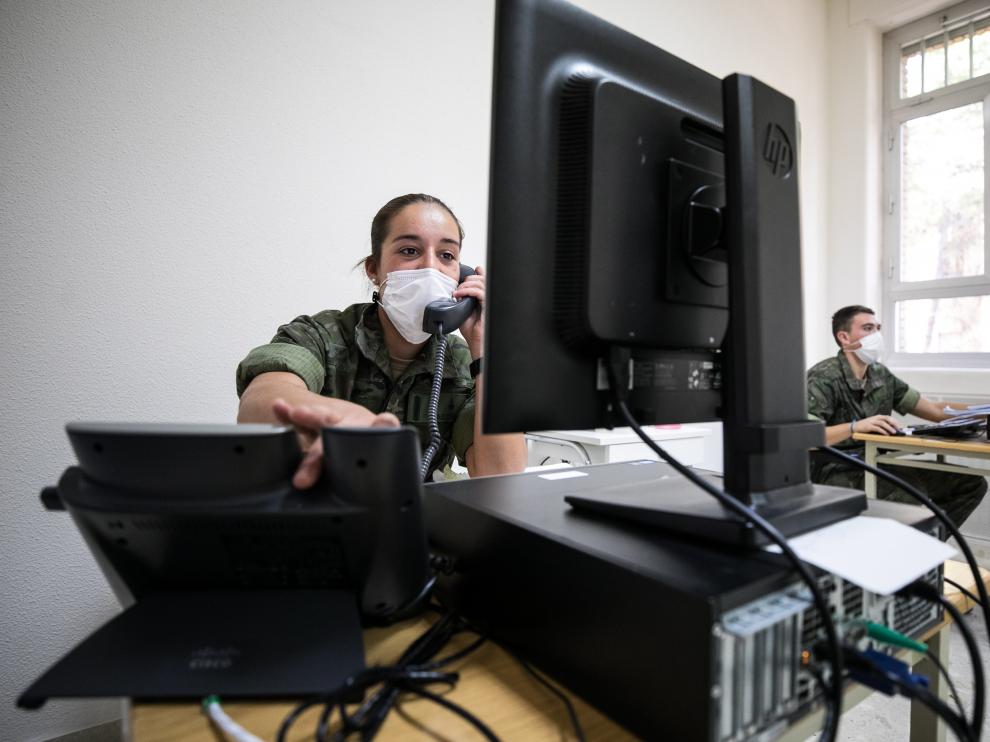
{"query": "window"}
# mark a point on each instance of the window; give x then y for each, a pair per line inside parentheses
(936, 282)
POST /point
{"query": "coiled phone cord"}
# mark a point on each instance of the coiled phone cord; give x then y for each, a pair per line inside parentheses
(435, 439)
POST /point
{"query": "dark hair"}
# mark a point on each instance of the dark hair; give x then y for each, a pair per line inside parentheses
(842, 320)
(383, 221)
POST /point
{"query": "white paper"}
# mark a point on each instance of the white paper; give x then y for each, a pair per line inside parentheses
(878, 554)
(973, 409)
(563, 475)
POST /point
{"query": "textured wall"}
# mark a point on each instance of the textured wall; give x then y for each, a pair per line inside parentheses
(176, 179)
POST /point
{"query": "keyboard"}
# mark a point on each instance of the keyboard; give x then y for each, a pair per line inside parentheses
(950, 429)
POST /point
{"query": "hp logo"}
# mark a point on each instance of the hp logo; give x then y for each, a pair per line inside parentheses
(777, 151)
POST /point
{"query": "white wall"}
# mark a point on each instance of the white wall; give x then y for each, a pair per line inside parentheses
(856, 198)
(179, 178)
(853, 255)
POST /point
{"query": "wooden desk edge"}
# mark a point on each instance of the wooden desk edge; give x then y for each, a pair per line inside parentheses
(969, 445)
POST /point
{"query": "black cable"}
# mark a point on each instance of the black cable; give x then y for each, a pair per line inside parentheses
(347, 726)
(409, 673)
(960, 540)
(323, 726)
(749, 515)
(436, 440)
(457, 709)
(816, 673)
(931, 594)
(460, 654)
(431, 641)
(571, 713)
(291, 718)
(963, 590)
(913, 691)
(951, 718)
(948, 679)
(395, 679)
(371, 715)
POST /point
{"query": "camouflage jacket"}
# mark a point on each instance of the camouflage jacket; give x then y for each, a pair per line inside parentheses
(836, 396)
(342, 354)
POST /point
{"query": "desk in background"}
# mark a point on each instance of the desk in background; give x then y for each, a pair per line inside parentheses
(686, 443)
(902, 450)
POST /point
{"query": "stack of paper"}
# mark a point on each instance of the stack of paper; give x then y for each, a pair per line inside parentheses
(974, 410)
(974, 413)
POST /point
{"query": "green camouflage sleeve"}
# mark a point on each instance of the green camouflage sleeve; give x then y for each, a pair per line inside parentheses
(820, 402)
(297, 347)
(462, 434)
(905, 397)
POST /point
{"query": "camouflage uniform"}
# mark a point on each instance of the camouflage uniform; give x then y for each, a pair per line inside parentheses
(836, 396)
(342, 354)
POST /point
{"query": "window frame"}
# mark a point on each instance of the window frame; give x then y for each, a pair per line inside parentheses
(898, 111)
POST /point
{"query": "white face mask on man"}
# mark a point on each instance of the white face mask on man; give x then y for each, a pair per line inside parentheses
(871, 348)
(405, 294)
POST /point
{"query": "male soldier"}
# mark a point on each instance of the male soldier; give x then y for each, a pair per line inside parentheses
(853, 393)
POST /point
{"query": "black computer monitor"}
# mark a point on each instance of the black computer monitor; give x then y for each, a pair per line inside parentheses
(644, 211)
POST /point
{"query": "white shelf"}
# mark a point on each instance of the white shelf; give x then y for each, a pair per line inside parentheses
(600, 446)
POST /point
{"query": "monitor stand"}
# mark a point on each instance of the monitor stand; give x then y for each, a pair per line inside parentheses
(675, 504)
(234, 643)
(766, 430)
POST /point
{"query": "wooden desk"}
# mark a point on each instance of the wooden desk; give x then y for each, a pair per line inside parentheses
(493, 686)
(899, 447)
(503, 695)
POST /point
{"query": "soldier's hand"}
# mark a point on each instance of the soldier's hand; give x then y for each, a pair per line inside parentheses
(878, 424)
(473, 329)
(309, 420)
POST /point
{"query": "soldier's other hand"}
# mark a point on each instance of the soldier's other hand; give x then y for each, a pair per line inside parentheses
(878, 424)
(308, 421)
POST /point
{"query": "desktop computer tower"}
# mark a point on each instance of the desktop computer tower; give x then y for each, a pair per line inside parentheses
(672, 637)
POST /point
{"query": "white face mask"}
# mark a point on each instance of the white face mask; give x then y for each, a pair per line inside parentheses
(871, 348)
(405, 294)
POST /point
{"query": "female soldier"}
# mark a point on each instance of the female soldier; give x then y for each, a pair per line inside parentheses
(371, 364)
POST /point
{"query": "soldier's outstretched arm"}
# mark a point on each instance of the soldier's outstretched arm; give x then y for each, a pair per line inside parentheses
(281, 397)
(935, 411)
(264, 389)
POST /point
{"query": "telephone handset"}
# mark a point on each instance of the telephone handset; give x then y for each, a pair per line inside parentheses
(441, 317)
(446, 315)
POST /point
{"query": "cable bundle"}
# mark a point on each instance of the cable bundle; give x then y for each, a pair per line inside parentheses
(974, 729)
(411, 674)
